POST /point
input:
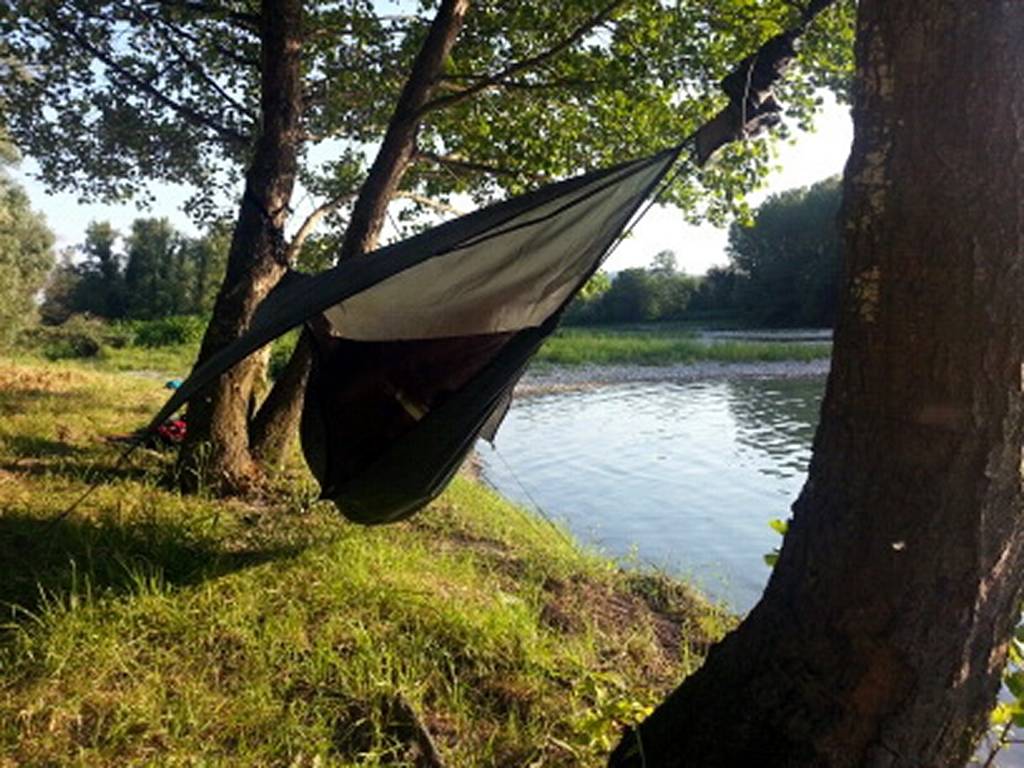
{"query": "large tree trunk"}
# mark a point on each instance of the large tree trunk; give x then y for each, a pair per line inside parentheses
(217, 447)
(882, 633)
(277, 420)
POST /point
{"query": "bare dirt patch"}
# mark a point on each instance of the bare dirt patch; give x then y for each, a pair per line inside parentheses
(670, 612)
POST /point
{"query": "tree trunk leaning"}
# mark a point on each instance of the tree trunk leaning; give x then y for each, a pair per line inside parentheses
(278, 419)
(881, 636)
(216, 451)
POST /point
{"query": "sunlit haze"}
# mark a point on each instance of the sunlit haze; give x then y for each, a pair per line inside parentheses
(809, 158)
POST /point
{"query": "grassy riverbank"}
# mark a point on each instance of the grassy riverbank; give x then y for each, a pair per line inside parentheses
(170, 345)
(666, 344)
(149, 628)
(651, 345)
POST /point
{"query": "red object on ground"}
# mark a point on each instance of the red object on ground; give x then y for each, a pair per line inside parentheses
(172, 431)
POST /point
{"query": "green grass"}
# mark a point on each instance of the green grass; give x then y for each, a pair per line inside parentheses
(666, 345)
(152, 362)
(150, 628)
(176, 359)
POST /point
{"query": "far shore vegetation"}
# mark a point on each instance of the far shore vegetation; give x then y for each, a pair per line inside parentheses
(169, 345)
(667, 344)
(139, 299)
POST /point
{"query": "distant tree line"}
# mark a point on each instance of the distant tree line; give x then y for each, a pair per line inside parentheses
(783, 271)
(785, 267)
(152, 272)
(656, 293)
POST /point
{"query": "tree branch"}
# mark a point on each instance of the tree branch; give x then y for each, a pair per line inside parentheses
(195, 40)
(429, 756)
(497, 78)
(311, 222)
(814, 7)
(162, 28)
(438, 205)
(456, 161)
(250, 21)
(399, 144)
(559, 82)
(194, 116)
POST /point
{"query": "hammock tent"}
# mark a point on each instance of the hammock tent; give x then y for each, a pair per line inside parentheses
(418, 345)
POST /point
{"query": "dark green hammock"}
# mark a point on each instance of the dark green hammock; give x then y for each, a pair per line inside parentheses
(418, 345)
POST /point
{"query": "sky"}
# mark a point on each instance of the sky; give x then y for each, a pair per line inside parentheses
(808, 158)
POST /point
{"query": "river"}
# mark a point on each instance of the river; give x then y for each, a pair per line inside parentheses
(685, 477)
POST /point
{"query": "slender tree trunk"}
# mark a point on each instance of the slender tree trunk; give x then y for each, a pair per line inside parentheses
(399, 143)
(882, 633)
(217, 448)
(277, 420)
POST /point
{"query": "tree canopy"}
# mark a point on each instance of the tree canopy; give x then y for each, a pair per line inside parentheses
(110, 96)
(786, 263)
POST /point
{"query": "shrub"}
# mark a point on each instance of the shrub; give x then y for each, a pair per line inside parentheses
(80, 336)
(167, 331)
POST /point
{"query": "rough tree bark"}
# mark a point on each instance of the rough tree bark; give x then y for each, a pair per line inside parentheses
(217, 447)
(276, 420)
(880, 638)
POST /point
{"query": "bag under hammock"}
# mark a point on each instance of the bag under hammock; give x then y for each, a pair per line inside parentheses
(418, 345)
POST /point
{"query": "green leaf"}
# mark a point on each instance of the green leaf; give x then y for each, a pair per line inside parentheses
(1000, 714)
(641, 81)
(1015, 683)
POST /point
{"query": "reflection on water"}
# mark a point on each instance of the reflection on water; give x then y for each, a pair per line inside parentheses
(683, 476)
(777, 418)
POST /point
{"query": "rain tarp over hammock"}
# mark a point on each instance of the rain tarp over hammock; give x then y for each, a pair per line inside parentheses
(499, 300)
(418, 345)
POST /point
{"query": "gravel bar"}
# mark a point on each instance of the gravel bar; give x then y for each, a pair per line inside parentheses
(581, 377)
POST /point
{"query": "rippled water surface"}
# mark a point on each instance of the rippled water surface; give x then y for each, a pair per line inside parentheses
(684, 476)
